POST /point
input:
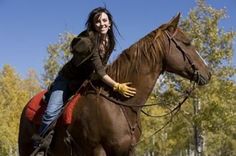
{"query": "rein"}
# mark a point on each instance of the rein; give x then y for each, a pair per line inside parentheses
(140, 106)
(132, 129)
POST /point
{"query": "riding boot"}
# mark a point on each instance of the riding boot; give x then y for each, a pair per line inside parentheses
(37, 137)
(39, 142)
(42, 144)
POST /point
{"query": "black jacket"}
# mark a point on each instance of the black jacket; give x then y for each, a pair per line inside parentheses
(86, 58)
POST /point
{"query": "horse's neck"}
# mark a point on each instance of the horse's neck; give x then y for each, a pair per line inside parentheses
(149, 69)
(141, 64)
(144, 81)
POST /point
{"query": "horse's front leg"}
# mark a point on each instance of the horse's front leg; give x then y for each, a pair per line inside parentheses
(132, 152)
(99, 151)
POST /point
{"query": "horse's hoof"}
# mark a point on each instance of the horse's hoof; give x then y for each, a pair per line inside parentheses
(40, 153)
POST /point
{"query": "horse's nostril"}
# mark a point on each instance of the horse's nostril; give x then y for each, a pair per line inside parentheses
(205, 80)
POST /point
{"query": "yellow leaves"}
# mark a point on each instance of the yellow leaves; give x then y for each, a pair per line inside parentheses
(14, 94)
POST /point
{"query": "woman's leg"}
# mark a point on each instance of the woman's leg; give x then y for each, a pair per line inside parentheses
(59, 94)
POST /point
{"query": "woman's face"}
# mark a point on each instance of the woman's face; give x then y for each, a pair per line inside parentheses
(102, 23)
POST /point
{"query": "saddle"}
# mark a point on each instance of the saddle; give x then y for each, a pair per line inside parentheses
(36, 107)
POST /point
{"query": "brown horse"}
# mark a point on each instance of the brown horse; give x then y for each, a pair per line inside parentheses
(102, 125)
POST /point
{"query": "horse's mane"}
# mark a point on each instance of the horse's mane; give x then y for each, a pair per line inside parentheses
(146, 50)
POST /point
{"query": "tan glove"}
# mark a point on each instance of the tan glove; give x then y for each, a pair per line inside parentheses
(124, 89)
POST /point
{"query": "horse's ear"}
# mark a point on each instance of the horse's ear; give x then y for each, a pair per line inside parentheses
(173, 24)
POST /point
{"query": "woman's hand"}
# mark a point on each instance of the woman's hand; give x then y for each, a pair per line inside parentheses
(125, 89)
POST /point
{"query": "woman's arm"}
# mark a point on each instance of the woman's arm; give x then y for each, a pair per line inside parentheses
(122, 88)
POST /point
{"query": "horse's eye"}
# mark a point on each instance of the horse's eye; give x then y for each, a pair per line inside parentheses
(187, 42)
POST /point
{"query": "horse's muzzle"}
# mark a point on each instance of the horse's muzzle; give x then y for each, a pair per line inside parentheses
(202, 79)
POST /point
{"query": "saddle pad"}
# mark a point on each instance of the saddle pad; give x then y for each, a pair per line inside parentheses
(37, 106)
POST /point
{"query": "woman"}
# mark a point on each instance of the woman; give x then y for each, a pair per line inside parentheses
(91, 50)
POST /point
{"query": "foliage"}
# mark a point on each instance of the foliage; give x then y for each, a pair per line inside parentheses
(211, 109)
(14, 94)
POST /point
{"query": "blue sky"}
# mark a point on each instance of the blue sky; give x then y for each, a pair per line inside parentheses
(27, 27)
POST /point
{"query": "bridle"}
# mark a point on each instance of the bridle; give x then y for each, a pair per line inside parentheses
(171, 39)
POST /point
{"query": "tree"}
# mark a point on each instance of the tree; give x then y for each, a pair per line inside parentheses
(14, 94)
(218, 98)
(216, 118)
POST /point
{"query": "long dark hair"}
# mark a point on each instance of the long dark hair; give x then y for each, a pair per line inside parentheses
(90, 26)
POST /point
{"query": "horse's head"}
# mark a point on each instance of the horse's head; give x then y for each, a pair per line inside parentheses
(181, 57)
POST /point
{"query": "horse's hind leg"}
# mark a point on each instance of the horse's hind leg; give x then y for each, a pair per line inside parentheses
(99, 151)
(26, 130)
(58, 145)
(132, 152)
